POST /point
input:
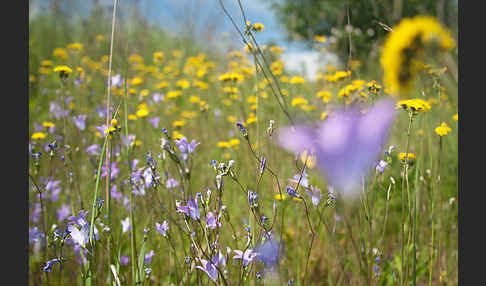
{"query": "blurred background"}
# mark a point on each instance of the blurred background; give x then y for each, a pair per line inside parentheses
(289, 24)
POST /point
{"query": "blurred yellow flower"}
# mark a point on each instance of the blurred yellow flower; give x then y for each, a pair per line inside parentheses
(48, 124)
(184, 84)
(224, 144)
(406, 45)
(443, 129)
(142, 112)
(298, 101)
(414, 105)
(411, 156)
(279, 198)
(320, 39)
(60, 53)
(100, 38)
(297, 80)
(132, 117)
(179, 123)
(75, 47)
(174, 93)
(136, 81)
(455, 116)
(38, 135)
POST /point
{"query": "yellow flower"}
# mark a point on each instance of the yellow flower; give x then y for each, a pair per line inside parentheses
(194, 99)
(158, 57)
(144, 92)
(100, 38)
(298, 101)
(183, 84)
(252, 99)
(113, 122)
(297, 80)
(231, 119)
(308, 107)
(46, 63)
(310, 160)
(32, 78)
(63, 69)
(284, 78)
(201, 84)
(163, 84)
(455, 116)
(411, 156)
(38, 135)
(276, 50)
(179, 123)
(324, 115)
(406, 45)
(280, 198)
(134, 58)
(234, 142)
(258, 27)
(75, 47)
(251, 119)
(443, 129)
(320, 39)
(326, 95)
(188, 114)
(136, 80)
(224, 144)
(142, 112)
(48, 124)
(110, 129)
(234, 77)
(60, 53)
(414, 105)
(177, 135)
(174, 94)
(132, 117)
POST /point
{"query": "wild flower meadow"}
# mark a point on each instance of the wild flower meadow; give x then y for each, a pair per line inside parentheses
(156, 162)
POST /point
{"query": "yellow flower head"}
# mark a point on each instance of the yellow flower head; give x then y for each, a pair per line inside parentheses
(174, 93)
(183, 84)
(298, 101)
(406, 45)
(60, 53)
(411, 156)
(136, 80)
(224, 144)
(279, 197)
(46, 63)
(310, 160)
(142, 112)
(455, 116)
(320, 39)
(443, 129)
(100, 38)
(48, 124)
(38, 135)
(178, 123)
(297, 80)
(258, 27)
(75, 47)
(63, 71)
(414, 105)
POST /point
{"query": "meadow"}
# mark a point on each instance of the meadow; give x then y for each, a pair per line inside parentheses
(157, 161)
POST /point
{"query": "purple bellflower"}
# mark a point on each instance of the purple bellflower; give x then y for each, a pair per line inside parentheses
(346, 144)
(191, 209)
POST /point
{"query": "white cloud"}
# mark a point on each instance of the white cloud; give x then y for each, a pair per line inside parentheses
(307, 63)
